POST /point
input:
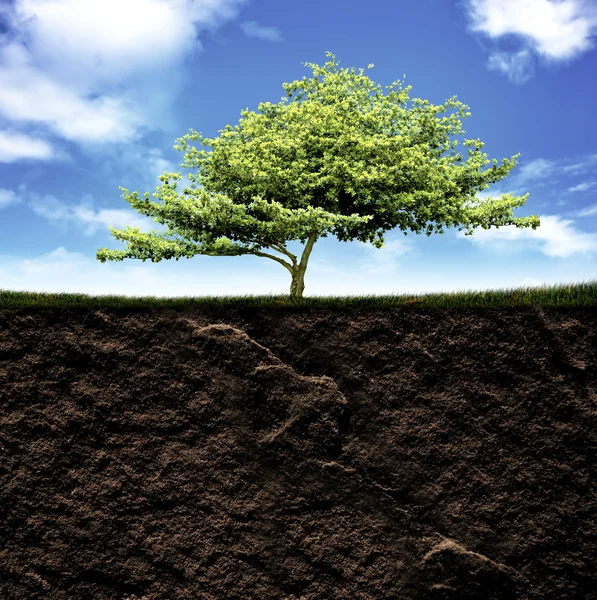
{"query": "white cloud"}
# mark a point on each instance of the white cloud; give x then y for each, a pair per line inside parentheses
(518, 67)
(63, 110)
(381, 260)
(586, 164)
(17, 146)
(527, 176)
(252, 29)
(90, 221)
(8, 197)
(534, 169)
(582, 187)
(105, 69)
(557, 31)
(588, 211)
(555, 236)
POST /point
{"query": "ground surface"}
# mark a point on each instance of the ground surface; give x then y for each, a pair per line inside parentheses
(311, 454)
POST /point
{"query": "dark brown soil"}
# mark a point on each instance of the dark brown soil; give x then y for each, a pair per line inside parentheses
(298, 453)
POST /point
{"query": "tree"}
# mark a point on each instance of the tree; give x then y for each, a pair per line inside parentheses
(341, 162)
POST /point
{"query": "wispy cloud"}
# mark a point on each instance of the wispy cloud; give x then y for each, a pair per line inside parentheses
(556, 31)
(584, 165)
(381, 260)
(85, 218)
(134, 162)
(8, 198)
(18, 147)
(582, 187)
(526, 176)
(588, 211)
(533, 170)
(518, 67)
(252, 29)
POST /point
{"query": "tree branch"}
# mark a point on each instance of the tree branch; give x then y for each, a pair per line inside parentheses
(308, 247)
(277, 259)
(277, 247)
(281, 248)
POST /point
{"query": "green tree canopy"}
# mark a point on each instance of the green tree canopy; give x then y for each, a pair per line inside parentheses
(341, 161)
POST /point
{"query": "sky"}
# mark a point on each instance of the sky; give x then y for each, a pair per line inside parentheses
(94, 94)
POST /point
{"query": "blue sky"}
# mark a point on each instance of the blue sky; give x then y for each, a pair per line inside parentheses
(94, 94)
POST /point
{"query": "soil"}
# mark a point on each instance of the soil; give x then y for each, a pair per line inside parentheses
(298, 453)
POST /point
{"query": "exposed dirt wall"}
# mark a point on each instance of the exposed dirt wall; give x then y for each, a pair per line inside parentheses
(298, 453)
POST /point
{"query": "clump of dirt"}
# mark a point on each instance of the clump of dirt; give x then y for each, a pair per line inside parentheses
(298, 453)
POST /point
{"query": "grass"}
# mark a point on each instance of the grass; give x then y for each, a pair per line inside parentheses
(563, 295)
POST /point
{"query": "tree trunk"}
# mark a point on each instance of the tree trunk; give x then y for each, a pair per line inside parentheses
(297, 285)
